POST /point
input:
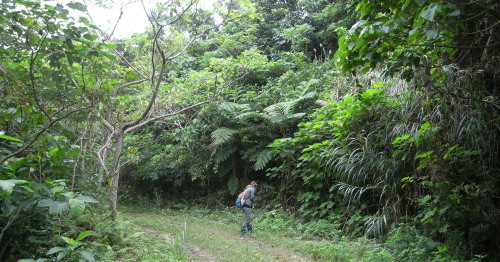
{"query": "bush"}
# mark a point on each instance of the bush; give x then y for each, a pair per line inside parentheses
(360, 250)
(274, 221)
(406, 244)
(320, 228)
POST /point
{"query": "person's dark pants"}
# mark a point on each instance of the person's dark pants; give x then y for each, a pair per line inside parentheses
(246, 222)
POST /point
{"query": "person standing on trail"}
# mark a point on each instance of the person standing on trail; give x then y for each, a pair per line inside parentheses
(247, 205)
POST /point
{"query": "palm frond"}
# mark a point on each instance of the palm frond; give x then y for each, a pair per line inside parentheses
(375, 226)
(352, 192)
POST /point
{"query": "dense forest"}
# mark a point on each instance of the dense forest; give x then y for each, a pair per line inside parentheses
(379, 118)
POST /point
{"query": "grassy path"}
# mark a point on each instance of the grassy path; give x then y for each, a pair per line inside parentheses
(207, 239)
(193, 251)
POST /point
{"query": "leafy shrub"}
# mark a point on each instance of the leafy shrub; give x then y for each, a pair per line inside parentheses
(407, 244)
(320, 228)
(360, 250)
(146, 247)
(274, 221)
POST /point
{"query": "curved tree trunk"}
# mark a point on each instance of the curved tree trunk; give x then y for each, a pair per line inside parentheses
(113, 186)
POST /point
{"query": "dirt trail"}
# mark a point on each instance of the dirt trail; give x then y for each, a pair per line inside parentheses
(195, 253)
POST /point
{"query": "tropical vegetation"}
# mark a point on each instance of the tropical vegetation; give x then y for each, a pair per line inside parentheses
(360, 120)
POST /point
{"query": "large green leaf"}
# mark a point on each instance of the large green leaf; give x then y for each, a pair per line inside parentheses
(55, 250)
(87, 256)
(73, 152)
(8, 185)
(57, 207)
(86, 199)
(53, 151)
(430, 12)
(57, 190)
(62, 254)
(77, 206)
(68, 240)
(10, 138)
(77, 6)
(84, 234)
(45, 202)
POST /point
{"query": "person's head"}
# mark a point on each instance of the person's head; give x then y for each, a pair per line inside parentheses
(254, 184)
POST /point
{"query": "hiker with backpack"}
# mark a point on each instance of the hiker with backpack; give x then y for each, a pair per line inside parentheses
(247, 197)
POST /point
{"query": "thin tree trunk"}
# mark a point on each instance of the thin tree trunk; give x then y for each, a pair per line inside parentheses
(102, 170)
(9, 222)
(113, 188)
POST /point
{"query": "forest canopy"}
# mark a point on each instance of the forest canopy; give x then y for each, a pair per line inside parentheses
(379, 117)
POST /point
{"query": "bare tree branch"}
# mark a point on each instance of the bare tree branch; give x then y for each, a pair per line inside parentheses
(164, 115)
(134, 83)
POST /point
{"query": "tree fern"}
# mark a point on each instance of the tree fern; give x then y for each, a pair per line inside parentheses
(279, 108)
(222, 153)
(222, 135)
(235, 107)
(262, 159)
(232, 185)
(253, 115)
(289, 107)
(281, 118)
(304, 87)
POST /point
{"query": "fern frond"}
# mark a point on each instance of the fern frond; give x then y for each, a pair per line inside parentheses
(254, 115)
(232, 185)
(278, 109)
(297, 115)
(223, 153)
(310, 95)
(223, 169)
(262, 159)
(305, 86)
(222, 135)
(235, 107)
(284, 108)
(280, 118)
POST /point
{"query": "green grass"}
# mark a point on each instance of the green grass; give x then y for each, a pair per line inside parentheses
(215, 234)
(214, 237)
(132, 245)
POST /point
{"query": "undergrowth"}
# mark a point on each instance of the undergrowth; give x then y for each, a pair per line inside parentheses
(321, 239)
(141, 246)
